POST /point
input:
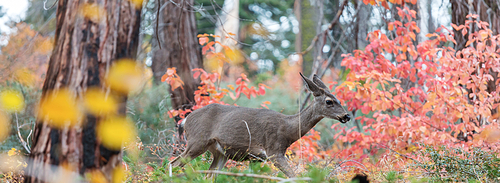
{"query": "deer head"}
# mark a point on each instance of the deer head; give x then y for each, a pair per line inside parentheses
(325, 103)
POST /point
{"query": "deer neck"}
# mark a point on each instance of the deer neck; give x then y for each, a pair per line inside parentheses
(305, 120)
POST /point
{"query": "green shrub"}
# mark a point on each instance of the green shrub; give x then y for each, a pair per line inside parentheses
(455, 164)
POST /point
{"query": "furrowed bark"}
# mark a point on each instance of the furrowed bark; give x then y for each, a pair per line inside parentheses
(84, 50)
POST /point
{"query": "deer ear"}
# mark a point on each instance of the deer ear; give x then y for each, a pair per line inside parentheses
(311, 86)
(320, 83)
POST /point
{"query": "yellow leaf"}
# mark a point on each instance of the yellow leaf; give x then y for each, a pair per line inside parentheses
(11, 100)
(118, 175)
(97, 176)
(60, 108)
(116, 131)
(45, 46)
(125, 76)
(4, 126)
(12, 152)
(484, 34)
(137, 3)
(234, 56)
(25, 76)
(98, 103)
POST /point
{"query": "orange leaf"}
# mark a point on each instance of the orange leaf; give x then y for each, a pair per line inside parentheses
(203, 40)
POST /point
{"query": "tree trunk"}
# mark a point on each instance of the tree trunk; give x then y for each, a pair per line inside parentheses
(84, 49)
(309, 27)
(179, 49)
(361, 26)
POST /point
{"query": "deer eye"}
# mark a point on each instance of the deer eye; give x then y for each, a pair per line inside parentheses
(329, 102)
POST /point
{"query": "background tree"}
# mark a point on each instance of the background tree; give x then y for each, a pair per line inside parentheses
(487, 11)
(179, 48)
(88, 40)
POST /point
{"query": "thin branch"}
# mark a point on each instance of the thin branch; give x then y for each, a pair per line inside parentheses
(20, 136)
(45, 2)
(296, 179)
(253, 176)
(157, 20)
(403, 155)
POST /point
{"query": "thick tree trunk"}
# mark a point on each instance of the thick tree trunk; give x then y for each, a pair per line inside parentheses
(84, 50)
(179, 49)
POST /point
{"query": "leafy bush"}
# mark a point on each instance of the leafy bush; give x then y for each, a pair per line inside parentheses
(460, 164)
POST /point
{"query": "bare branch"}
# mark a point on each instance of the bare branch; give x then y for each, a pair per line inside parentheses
(45, 2)
(254, 176)
(20, 136)
(157, 20)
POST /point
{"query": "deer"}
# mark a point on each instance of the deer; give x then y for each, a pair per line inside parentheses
(240, 133)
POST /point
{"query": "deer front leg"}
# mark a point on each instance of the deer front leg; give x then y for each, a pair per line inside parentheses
(281, 162)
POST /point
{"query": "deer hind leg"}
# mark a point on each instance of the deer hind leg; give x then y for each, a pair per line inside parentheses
(192, 151)
(219, 159)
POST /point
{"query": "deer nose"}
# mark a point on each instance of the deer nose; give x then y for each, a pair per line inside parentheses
(346, 118)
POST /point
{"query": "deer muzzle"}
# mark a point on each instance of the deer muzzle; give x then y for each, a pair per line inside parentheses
(345, 118)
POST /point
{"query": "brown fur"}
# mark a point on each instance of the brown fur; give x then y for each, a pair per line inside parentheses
(226, 130)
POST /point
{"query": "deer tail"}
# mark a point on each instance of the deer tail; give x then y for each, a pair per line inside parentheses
(180, 128)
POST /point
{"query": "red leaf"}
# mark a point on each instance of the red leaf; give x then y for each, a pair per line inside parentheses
(196, 74)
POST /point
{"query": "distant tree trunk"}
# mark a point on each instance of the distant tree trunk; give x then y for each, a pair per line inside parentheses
(427, 22)
(228, 22)
(179, 49)
(361, 26)
(84, 49)
(298, 16)
(309, 26)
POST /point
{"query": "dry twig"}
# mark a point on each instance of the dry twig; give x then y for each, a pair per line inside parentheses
(254, 176)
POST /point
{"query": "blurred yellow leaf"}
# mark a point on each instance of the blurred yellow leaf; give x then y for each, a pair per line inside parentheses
(214, 64)
(258, 29)
(45, 46)
(12, 152)
(98, 103)
(116, 131)
(97, 176)
(59, 108)
(4, 126)
(25, 76)
(92, 11)
(137, 3)
(125, 76)
(234, 55)
(11, 100)
(118, 175)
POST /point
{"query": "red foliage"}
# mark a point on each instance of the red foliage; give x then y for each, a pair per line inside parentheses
(210, 91)
(424, 94)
